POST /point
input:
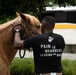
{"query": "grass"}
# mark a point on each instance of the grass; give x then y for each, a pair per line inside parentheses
(69, 67)
(26, 67)
(22, 66)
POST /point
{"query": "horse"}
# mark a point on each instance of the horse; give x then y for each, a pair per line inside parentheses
(7, 51)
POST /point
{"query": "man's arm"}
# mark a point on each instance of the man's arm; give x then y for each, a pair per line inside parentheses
(18, 43)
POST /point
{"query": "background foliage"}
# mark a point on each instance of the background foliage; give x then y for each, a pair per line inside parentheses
(10, 7)
(66, 2)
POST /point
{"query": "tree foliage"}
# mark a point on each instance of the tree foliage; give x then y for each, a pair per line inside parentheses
(65, 2)
(10, 7)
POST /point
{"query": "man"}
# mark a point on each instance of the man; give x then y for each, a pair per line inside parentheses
(47, 48)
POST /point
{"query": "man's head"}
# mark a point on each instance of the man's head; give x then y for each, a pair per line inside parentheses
(48, 24)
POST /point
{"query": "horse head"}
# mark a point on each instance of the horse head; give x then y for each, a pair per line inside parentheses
(31, 24)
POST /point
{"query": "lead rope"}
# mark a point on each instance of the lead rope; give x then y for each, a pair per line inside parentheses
(20, 50)
(22, 56)
(22, 36)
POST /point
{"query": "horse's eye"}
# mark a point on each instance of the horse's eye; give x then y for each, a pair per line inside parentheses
(37, 26)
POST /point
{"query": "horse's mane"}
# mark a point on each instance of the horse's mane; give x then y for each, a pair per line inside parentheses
(32, 19)
(4, 25)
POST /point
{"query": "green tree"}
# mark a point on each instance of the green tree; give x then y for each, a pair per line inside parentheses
(65, 2)
(10, 7)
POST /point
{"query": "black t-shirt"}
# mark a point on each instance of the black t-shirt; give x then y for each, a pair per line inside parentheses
(47, 50)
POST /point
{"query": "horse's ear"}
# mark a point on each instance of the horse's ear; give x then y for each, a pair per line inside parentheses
(24, 17)
(17, 13)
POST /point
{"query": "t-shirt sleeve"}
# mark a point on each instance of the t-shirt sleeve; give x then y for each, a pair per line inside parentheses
(27, 43)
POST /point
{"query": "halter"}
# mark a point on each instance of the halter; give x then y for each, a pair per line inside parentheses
(31, 31)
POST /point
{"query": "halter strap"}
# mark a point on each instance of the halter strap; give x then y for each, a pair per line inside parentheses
(32, 31)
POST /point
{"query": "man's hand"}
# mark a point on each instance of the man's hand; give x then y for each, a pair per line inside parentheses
(17, 28)
(21, 29)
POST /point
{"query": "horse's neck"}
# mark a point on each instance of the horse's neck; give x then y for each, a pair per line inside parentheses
(7, 51)
(3, 26)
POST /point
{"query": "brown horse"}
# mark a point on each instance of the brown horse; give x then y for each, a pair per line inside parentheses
(7, 51)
